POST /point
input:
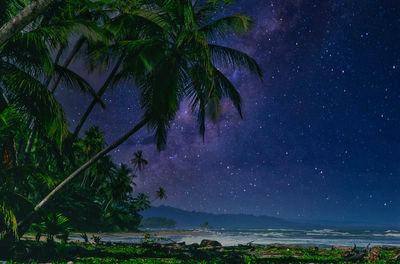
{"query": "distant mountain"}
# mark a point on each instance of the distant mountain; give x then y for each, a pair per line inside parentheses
(186, 219)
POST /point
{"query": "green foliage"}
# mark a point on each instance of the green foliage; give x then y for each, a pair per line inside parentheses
(85, 237)
(96, 239)
(206, 225)
(138, 161)
(158, 222)
(54, 224)
(8, 220)
(164, 47)
(156, 253)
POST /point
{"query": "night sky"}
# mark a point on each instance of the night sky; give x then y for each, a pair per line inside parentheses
(320, 138)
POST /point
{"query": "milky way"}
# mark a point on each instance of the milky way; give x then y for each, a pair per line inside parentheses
(320, 135)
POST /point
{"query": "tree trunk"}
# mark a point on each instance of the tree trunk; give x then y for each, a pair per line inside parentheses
(26, 16)
(67, 61)
(94, 180)
(99, 95)
(108, 204)
(92, 160)
(26, 221)
(34, 126)
(30, 139)
(56, 60)
(84, 180)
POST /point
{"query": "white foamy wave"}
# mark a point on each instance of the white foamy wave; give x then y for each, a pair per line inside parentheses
(273, 234)
(392, 234)
(323, 238)
(326, 232)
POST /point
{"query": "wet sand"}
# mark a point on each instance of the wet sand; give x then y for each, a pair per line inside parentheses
(76, 236)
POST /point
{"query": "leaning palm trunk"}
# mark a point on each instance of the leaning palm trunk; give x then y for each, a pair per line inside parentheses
(55, 83)
(26, 16)
(67, 62)
(99, 95)
(26, 221)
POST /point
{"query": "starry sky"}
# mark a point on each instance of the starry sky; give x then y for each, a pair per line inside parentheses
(320, 138)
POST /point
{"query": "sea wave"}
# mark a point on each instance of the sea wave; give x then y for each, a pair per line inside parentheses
(319, 237)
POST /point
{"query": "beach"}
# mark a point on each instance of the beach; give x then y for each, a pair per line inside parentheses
(322, 238)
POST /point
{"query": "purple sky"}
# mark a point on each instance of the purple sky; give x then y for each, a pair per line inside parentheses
(320, 135)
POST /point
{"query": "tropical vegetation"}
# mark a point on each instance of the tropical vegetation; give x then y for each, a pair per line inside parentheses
(158, 222)
(59, 177)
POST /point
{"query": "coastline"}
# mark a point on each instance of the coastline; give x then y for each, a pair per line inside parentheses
(207, 252)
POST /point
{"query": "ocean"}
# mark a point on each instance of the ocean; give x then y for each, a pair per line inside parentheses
(323, 238)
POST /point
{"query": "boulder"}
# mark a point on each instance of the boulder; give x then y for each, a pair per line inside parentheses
(194, 245)
(210, 243)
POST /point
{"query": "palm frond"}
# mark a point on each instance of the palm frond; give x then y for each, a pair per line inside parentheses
(73, 80)
(8, 221)
(160, 97)
(32, 97)
(234, 58)
(218, 29)
(226, 88)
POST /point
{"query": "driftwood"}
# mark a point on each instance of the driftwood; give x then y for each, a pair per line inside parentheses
(366, 254)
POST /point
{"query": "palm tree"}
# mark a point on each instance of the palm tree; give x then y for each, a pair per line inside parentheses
(81, 21)
(160, 194)
(26, 69)
(141, 202)
(21, 20)
(138, 161)
(133, 26)
(119, 186)
(19, 61)
(90, 145)
(179, 63)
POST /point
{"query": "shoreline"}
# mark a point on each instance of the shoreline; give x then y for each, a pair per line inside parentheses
(208, 251)
(162, 236)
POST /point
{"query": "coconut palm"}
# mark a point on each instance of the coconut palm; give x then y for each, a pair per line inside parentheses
(82, 22)
(160, 194)
(25, 76)
(177, 64)
(119, 186)
(27, 66)
(141, 202)
(135, 26)
(138, 161)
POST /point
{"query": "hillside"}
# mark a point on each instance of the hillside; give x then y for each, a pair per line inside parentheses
(186, 219)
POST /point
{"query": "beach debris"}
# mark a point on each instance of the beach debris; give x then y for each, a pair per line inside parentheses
(285, 246)
(395, 258)
(373, 255)
(342, 248)
(85, 237)
(180, 245)
(356, 255)
(384, 247)
(96, 239)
